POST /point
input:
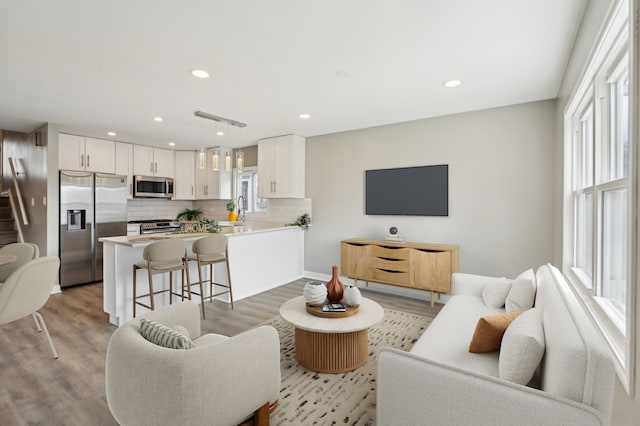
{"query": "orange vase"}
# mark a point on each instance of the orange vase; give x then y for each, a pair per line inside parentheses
(335, 288)
(232, 216)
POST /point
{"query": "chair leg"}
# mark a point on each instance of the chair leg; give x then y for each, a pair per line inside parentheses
(134, 290)
(151, 302)
(229, 280)
(35, 318)
(201, 297)
(39, 319)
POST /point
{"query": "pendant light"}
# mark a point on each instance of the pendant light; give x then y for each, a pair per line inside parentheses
(215, 159)
(202, 157)
(240, 154)
(227, 161)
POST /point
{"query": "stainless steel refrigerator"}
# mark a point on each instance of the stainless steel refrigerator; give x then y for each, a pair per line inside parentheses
(92, 206)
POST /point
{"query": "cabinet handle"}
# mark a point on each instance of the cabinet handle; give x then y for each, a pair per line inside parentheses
(130, 189)
(156, 171)
(82, 160)
(275, 186)
(151, 166)
(191, 189)
(88, 160)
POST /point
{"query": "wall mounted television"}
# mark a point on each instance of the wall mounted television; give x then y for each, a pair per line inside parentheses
(408, 191)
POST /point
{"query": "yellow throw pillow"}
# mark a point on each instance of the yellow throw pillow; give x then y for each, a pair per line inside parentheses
(489, 331)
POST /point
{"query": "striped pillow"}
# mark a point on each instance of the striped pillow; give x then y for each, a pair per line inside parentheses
(162, 335)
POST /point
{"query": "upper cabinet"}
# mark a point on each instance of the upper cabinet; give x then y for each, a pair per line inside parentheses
(281, 167)
(149, 161)
(213, 184)
(184, 186)
(124, 164)
(86, 154)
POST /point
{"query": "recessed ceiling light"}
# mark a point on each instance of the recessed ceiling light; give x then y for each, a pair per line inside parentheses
(452, 83)
(172, 144)
(158, 119)
(220, 133)
(111, 133)
(199, 73)
(304, 116)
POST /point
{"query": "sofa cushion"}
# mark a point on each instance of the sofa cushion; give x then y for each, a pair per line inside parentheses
(162, 335)
(489, 331)
(522, 293)
(447, 338)
(522, 348)
(495, 293)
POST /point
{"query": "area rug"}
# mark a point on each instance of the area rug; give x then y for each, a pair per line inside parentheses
(309, 398)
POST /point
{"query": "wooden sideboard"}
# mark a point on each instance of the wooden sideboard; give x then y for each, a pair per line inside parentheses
(420, 266)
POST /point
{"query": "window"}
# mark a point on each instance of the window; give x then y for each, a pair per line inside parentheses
(246, 185)
(598, 191)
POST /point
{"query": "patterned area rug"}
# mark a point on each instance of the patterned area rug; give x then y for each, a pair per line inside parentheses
(309, 398)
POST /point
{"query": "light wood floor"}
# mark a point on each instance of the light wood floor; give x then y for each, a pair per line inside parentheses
(35, 389)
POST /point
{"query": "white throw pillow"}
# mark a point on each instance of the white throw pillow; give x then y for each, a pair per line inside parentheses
(522, 348)
(523, 292)
(495, 293)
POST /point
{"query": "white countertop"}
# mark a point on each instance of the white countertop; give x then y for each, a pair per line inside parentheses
(238, 230)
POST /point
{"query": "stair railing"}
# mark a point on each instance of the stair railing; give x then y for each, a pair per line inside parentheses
(20, 204)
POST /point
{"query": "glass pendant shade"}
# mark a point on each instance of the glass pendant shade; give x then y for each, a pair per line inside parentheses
(240, 161)
(201, 158)
(215, 160)
(227, 161)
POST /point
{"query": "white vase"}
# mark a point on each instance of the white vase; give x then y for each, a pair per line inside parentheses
(315, 293)
(351, 296)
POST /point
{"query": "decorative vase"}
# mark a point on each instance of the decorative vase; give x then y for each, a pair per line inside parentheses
(315, 293)
(232, 216)
(352, 296)
(335, 288)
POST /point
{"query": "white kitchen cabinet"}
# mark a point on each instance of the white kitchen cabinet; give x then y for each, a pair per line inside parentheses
(86, 154)
(149, 161)
(212, 184)
(281, 167)
(124, 164)
(185, 183)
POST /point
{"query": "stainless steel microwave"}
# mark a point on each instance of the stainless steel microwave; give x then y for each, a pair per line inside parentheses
(152, 187)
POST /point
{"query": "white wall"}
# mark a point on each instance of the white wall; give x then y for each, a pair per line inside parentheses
(501, 178)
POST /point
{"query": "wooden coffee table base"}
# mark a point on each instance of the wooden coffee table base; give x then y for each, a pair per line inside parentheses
(332, 352)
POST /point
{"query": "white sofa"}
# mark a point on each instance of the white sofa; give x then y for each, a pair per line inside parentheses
(222, 381)
(440, 383)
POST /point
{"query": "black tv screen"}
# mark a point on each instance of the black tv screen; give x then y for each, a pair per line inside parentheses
(410, 191)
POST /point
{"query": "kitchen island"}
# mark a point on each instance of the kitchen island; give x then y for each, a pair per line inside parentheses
(261, 257)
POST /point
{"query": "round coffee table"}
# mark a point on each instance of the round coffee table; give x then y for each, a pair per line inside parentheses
(331, 345)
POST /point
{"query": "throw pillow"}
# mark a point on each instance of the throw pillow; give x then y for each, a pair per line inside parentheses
(489, 330)
(522, 348)
(162, 335)
(495, 293)
(523, 292)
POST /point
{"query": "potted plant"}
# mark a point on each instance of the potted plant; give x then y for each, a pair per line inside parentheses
(231, 207)
(189, 218)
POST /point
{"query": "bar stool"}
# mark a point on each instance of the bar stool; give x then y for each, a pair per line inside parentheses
(209, 251)
(161, 257)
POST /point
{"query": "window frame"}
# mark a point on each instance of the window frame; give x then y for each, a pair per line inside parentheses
(615, 42)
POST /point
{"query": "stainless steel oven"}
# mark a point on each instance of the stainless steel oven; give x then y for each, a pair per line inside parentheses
(152, 187)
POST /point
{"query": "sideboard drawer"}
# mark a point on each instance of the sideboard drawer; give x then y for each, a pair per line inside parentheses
(379, 275)
(391, 264)
(401, 253)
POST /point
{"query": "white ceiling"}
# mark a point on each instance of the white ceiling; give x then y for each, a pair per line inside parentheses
(95, 66)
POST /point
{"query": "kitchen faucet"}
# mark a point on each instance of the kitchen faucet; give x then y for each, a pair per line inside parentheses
(241, 209)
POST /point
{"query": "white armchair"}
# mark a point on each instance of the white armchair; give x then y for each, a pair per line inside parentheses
(26, 290)
(222, 381)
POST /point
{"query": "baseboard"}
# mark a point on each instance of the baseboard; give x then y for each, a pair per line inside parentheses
(56, 289)
(381, 288)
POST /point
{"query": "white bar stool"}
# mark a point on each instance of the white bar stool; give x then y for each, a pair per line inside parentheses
(163, 256)
(209, 251)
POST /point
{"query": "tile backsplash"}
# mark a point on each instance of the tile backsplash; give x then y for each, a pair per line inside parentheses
(279, 210)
